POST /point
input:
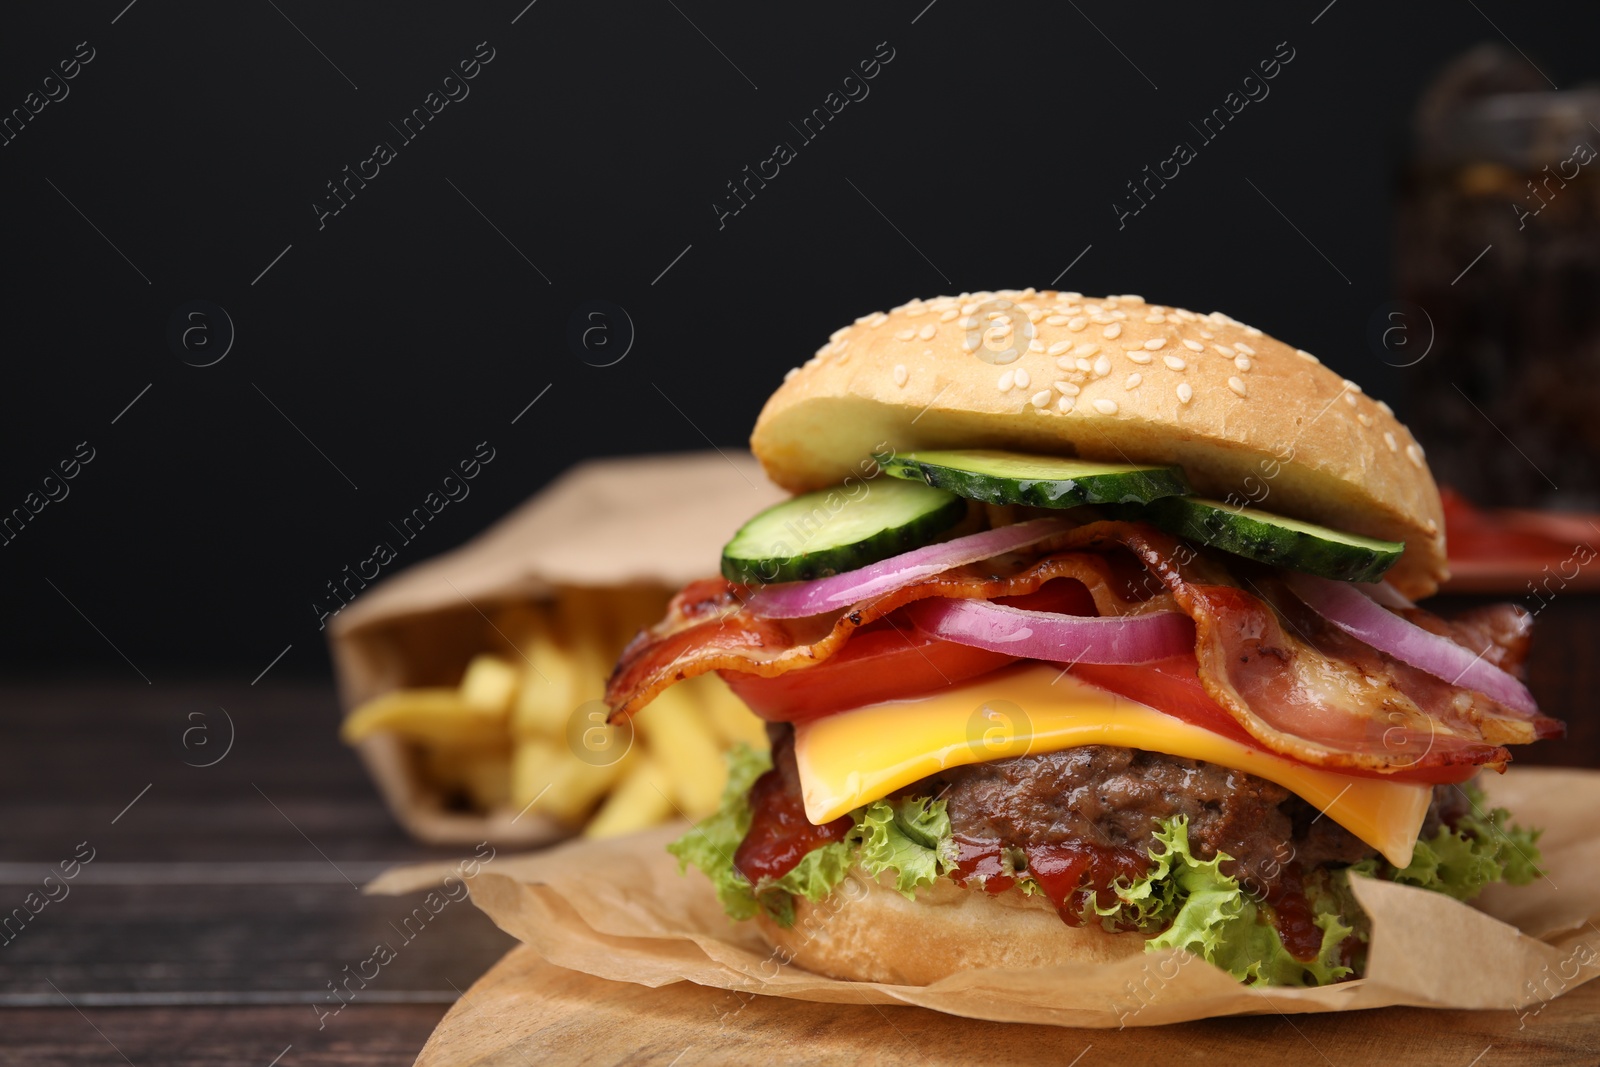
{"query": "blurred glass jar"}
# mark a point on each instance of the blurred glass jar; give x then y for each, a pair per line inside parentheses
(1499, 258)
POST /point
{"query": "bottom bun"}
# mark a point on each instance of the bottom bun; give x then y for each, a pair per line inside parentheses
(866, 931)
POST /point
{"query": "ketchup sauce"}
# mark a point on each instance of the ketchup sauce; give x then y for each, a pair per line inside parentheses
(1068, 873)
(780, 835)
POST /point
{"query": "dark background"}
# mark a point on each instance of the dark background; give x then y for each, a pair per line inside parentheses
(380, 349)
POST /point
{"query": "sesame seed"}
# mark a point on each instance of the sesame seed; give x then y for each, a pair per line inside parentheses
(1185, 393)
(1433, 526)
(838, 335)
(1388, 439)
(1350, 398)
(971, 342)
(1186, 316)
(901, 375)
(1034, 315)
(1041, 399)
(1035, 345)
(1058, 348)
(790, 373)
(1065, 404)
(819, 353)
(968, 309)
(968, 322)
(1174, 362)
(1352, 386)
(1303, 354)
(1102, 365)
(1113, 331)
(1005, 357)
(1364, 419)
(1102, 319)
(1132, 298)
(1155, 344)
(927, 331)
(1085, 349)
(905, 335)
(1023, 380)
(1246, 349)
(1057, 320)
(1067, 388)
(1133, 381)
(1155, 319)
(1192, 345)
(1105, 407)
(1003, 304)
(1252, 331)
(999, 319)
(1224, 351)
(1007, 378)
(1084, 365)
(863, 320)
(1383, 406)
(949, 314)
(1237, 385)
(1139, 355)
(1077, 323)
(878, 319)
(1207, 334)
(1414, 454)
(1242, 362)
(1119, 315)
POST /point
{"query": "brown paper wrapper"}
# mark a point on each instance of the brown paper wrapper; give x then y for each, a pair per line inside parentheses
(635, 521)
(619, 910)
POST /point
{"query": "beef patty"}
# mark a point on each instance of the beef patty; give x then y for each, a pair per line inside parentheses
(1099, 794)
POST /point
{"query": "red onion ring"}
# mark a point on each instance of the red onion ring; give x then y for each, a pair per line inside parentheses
(1357, 614)
(793, 600)
(1058, 638)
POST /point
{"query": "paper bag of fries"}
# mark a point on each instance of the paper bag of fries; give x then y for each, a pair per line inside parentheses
(472, 682)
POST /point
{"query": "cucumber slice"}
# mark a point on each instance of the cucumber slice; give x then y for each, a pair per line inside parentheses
(835, 530)
(1039, 481)
(1269, 538)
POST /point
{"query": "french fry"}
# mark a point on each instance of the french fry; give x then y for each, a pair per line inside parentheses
(578, 785)
(679, 739)
(733, 722)
(545, 699)
(490, 683)
(519, 728)
(535, 766)
(436, 715)
(637, 803)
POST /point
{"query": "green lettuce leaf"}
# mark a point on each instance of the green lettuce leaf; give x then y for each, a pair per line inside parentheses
(711, 843)
(911, 838)
(814, 877)
(1213, 917)
(1483, 847)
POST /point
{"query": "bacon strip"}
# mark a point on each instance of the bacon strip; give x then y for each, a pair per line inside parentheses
(1299, 686)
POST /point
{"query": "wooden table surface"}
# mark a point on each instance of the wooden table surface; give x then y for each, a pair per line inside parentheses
(221, 901)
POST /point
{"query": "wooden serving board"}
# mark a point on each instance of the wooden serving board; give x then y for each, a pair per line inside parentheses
(525, 1011)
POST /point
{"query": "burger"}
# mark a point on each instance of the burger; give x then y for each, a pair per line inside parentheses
(1091, 630)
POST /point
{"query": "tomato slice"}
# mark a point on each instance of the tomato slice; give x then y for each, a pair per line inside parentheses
(886, 660)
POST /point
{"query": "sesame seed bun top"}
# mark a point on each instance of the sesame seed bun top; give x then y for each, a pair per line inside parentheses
(1113, 379)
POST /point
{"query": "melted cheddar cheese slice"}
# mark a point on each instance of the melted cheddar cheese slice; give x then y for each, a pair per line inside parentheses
(856, 757)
